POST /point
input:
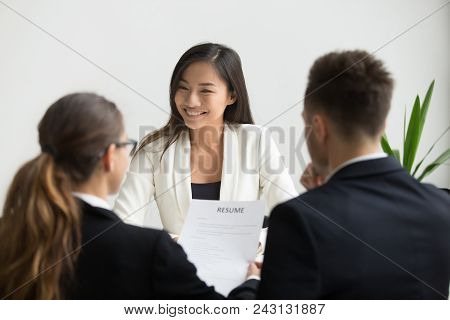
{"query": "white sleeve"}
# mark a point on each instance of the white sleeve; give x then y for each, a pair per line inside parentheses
(137, 190)
(274, 179)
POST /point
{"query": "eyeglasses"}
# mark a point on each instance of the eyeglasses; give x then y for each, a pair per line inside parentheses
(129, 143)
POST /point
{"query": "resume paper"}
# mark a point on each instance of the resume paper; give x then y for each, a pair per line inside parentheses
(221, 238)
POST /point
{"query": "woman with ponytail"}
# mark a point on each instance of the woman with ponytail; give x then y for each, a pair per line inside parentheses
(58, 236)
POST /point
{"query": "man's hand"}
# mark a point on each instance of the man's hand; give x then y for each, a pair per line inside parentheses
(254, 269)
(310, 179)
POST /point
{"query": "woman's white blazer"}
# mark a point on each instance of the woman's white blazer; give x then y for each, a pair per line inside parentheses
(252, 169)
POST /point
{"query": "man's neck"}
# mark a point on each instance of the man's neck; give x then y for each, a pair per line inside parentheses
(343, 153)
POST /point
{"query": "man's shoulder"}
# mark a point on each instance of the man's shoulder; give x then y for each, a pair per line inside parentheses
(310, 207)
(310, 198)
(304, 204)
(436, 192)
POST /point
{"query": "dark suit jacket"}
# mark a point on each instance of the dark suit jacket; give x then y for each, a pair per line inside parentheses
(120, 261)
(371, 232)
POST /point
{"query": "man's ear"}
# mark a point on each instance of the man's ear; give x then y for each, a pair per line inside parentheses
(320, 128)
(231, 98)
(108, 158)
(383, 128)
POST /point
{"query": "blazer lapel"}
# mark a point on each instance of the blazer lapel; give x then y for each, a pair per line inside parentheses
(230, 165)
(182, 173)
(182, 169)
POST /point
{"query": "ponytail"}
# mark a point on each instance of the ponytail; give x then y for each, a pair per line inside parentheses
(39, 232)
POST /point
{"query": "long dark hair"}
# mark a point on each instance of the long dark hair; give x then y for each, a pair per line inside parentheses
(229, 68)
(40, 226)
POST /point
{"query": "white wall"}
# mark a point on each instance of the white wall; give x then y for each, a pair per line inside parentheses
(139, 43)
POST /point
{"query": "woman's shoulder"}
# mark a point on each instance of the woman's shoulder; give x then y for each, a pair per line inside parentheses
(142, 234)
(250, 132)
(244, 128)
(157, 242)
(156, 145)
(153, 150)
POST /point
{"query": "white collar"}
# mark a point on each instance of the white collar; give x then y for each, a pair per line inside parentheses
(92, 200)
(370, 156)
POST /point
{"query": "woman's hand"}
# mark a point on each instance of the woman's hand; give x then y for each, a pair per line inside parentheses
(254, 269)
(310, 179)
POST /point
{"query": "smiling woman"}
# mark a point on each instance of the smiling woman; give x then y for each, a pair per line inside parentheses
(209, 146)
(202, 103)
(214, 71)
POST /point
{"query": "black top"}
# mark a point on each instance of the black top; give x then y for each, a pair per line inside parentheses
(206, 191)
(121, 261)
(371, 232)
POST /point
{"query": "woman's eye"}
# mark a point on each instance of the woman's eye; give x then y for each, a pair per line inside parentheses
(207, 91)
(182, 88)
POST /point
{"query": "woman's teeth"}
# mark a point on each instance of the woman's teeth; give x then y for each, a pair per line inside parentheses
(194, 113)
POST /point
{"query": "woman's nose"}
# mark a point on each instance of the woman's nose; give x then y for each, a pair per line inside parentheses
(192, 100)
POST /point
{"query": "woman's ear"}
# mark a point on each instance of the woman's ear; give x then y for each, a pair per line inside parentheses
(108, 158)
(231, 98)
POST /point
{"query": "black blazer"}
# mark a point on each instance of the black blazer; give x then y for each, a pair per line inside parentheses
(371, 232)
(120, 261)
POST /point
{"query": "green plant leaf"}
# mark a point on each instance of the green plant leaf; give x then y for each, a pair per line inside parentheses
(429, 150)
(412, 136)
(424, 108)
(385, 145)
(404, 125)
(418, 122)
(387, 148)
(435, 164)
(397, 154)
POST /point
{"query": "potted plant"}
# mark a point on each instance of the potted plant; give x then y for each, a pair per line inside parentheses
(411, 140)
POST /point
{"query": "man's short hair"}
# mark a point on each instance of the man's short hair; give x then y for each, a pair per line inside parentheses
(353, 89)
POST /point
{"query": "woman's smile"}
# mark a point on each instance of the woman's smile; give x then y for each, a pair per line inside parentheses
(194, 114)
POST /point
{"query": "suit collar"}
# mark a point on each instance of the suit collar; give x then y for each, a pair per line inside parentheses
(86, 208)
(94, 201)
(365, 157)
(367, 168)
